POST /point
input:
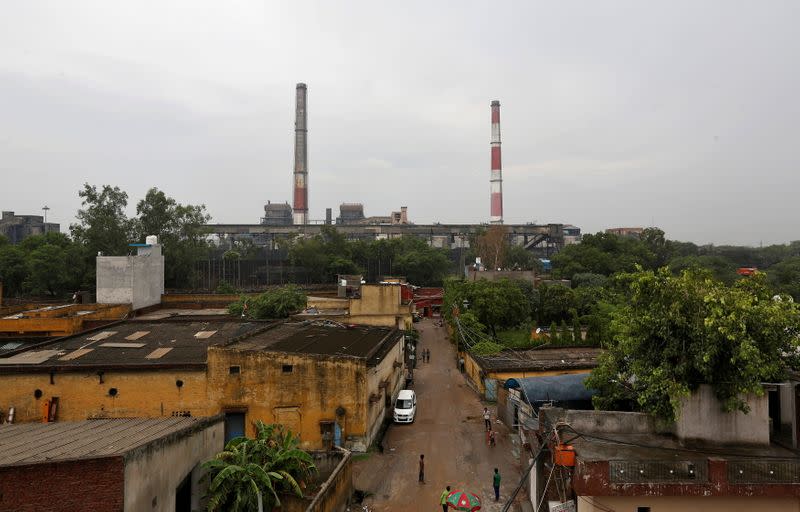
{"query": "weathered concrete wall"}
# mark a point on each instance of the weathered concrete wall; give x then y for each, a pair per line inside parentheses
(312, 392)
(688, 504)
(152, 474)
(496, 275)
(609, 422)
(702, 419)
(144, 394)
(381, 305)
(136, 280)
(326, 303)
(384, 382)
(333, 492)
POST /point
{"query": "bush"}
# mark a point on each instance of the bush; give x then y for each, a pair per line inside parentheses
(277, 303)
(486, 348)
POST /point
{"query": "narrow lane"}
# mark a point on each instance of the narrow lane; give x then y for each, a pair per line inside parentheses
(449, 430)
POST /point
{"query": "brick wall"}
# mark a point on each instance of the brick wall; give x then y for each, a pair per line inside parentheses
(96, 485)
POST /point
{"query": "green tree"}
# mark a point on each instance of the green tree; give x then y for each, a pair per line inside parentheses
(102, 224)
(13, 269)
(276, 303)
(785, 276)
(674, 333)
(721, 268)
(576, 328)
(555, 301)
(180, 232)
(47, 271)
(250, 473)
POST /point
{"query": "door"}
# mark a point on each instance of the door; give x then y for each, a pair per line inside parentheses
(491, 389)
(234, 425)
(337, 434)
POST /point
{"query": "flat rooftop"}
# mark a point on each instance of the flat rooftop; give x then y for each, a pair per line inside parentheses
(184, 343)
(130, 344)
(358, 341)
(39, 443)
(543, 359)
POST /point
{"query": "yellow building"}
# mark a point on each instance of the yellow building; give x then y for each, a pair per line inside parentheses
(376, 304)
(487, 372)
(332, 385)
(57, 320)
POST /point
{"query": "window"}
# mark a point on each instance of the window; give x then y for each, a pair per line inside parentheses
(287, 368)
(642, 509)
(235, 370)
(234, 425)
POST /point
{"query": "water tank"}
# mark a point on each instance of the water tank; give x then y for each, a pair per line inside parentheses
(151, 240)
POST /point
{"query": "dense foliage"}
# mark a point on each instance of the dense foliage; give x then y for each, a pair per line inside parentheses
(330, 254)
(250, 474)
(276, 303)
(57, 265)
(605, 254)
(673, 333)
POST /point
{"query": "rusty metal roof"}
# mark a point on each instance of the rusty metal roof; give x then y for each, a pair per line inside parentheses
(185, 343)
(39, 443)
(360, 341)
(544, 359)
(108, 347)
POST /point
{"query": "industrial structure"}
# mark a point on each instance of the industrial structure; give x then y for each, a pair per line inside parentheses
(18, 227)
(281, 221)
(301, 157)
(496, 179)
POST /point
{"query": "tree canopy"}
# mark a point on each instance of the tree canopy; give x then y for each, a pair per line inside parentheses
(674, 333)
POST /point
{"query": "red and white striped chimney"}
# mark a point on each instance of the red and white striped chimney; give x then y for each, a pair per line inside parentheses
(496, 180)
(300, 213)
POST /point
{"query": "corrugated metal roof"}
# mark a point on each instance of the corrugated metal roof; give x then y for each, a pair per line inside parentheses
(37, 443)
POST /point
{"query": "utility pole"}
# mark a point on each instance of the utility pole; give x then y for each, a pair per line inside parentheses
(45, 208)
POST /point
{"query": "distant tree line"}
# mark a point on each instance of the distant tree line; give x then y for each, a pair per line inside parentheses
(56, 265)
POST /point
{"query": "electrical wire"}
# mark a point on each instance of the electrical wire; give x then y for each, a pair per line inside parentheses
(594, 504)
(527, 472)
(544, 492)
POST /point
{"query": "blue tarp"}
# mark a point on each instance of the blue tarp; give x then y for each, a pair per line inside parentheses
(558, 388)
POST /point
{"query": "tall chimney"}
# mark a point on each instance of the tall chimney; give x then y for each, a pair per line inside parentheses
(496, 180)
(300, 213)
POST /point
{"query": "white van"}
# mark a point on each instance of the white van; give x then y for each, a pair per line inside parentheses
(405, 407)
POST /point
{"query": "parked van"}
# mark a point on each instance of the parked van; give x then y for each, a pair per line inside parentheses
(405, 407)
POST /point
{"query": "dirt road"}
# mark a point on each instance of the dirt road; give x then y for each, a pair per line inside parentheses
(449, 430)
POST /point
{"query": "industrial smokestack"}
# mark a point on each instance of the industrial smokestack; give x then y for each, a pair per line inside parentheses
(496, 180)
(300, 213)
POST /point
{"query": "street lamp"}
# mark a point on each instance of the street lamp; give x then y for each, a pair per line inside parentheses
(45, 208)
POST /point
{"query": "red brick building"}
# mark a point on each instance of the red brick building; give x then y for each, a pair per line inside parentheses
(106, 465)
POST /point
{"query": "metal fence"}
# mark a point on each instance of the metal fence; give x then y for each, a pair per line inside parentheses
(631, 472)
(771, 471)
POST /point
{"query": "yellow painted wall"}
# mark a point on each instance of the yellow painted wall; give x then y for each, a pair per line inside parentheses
(386, 371)
(325, 303)
(380, 305)
(82, 396)
(61, 321)
(473, 370)
(311, 393)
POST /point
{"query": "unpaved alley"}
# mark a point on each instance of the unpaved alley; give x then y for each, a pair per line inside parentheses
(449, 430)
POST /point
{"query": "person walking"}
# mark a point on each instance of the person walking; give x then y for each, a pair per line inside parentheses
(487, 418)
(443, 498)
(428, 354)
(422, 469)
(496, 484)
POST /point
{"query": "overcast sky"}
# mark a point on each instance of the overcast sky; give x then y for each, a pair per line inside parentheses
(679, 113)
